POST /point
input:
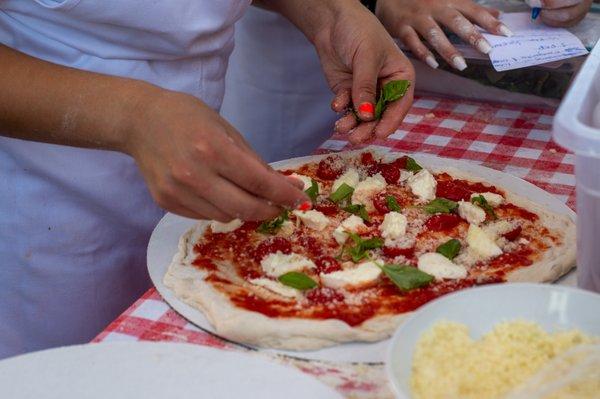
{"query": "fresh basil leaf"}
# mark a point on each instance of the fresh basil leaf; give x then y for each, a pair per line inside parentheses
(297, 280)
(359, 250)
(483, 204)
(392, 203)
(273, 225)
(440, 205)
(406, 277)
(342, 192)
(395, 90)
(449, 249)
(412, 165)
(391, 91)
(372, 243)
(357, 253)
(358, 210)
(313, 190)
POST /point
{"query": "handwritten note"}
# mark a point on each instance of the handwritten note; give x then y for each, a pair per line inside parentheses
(533, 43)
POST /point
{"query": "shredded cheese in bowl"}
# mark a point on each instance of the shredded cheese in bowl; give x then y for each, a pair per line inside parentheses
(449, 364)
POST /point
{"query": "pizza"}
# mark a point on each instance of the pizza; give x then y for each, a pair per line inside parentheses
(384, 235)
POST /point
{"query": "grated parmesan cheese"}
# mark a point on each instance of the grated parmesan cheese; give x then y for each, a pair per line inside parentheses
(367, 188)
(350, 177)
(448, 363)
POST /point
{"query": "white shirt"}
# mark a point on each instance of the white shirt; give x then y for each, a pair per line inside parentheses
(74, 223)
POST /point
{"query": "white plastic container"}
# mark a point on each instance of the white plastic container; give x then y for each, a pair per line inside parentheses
(574, 128)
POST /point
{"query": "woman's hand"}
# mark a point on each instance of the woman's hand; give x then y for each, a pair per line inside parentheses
(409, 20)
(199, 166)
(561, 13)
(358, 57)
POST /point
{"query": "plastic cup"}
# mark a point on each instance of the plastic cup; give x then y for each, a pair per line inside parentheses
(576, 128)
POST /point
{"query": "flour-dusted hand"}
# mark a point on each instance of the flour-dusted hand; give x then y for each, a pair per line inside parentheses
(561, 13)
(197, 165)
(358, 58)
(411, 20)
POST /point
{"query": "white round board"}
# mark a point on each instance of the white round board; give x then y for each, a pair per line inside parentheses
(163, 246)
(152, 370)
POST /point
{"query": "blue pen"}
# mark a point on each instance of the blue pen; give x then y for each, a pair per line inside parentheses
(535, 12)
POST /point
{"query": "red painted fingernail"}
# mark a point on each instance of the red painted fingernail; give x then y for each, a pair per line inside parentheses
(305, 206)
(366, 108)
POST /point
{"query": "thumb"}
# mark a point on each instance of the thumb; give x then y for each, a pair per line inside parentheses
(364, 87)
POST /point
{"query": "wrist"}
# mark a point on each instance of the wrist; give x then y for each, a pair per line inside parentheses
(312, 17)
(341, 13)
(137, 99)
(321, 19)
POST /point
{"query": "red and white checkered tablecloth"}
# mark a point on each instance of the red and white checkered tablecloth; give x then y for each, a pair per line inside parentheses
(513, 139)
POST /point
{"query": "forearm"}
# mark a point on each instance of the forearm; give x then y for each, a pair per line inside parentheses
(46, 102)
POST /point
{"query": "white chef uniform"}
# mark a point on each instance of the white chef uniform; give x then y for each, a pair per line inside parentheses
(275, 93)
(74, 223)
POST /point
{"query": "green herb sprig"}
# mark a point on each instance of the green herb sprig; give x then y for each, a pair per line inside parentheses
(342, 192)
(449, 249)
(358, 210)
(406, 277)
(297, 280)
(483, 204)
(272, 226)
(312, 191)
(392, 203)
(412, 165)
(359, 250)
(440, 205)
(391, 91)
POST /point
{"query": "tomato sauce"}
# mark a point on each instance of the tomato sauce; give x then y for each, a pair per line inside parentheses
(510, 210)
(443, 222)
(521, 257)
(392, 252)
(330, 168)
(513, 234)
(204, 263)
(460, 190)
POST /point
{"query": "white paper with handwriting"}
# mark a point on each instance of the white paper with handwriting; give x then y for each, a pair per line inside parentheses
(533, 43)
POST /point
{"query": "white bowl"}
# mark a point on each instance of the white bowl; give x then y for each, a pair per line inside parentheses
(554, 307)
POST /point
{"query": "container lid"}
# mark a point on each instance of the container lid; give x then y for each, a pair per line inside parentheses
(572, 126)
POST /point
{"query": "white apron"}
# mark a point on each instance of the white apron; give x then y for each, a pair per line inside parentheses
(74, 223)
(275, 93)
